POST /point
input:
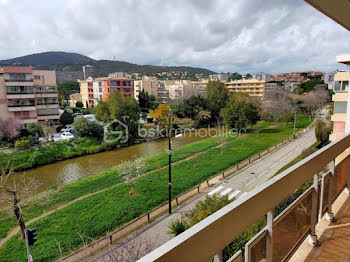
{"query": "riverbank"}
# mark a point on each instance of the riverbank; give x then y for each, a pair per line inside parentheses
(95, 212)
(56, 151)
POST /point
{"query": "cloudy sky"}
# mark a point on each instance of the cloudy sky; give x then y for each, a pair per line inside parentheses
(272, 36)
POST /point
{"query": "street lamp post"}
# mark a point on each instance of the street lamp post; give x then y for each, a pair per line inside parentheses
(169, 140)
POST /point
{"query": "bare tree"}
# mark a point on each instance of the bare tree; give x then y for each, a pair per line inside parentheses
(11, 194)
(276, 104)
(130, 170)
(131, 249)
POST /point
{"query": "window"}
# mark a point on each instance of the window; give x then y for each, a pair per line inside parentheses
(337, 86)
(37, 77)
(13, 76)
(22, 76)
(345, 85)
(47, 111)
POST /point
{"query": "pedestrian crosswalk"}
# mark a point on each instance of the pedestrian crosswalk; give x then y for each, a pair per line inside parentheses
(222, 191)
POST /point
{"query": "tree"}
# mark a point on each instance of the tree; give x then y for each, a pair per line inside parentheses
(33, 129)
(235, 76)
(216, 99)
(130, 170)
(9, 129)
(239, 114)
(146, 101)
(322, 131)
(67, 88)
(160, 114)
(14, 193)
(314, 99)
(102, 112)
(276, 106)
(193, 105)
(132, 248)
(79, 104)
(203, 118)
(85, 128)
(308, 86)
(248, 76)
(66, 118)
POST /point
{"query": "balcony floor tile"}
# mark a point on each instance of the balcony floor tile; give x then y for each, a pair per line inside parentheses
(334, 236)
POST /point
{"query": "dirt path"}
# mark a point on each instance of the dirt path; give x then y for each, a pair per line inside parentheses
(17, 229)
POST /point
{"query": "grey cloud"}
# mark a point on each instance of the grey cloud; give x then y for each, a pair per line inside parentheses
(246, 36)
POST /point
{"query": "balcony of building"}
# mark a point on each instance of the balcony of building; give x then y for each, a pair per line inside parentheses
(15, 105)
(45, 89)
(340, 97)
(305, 209)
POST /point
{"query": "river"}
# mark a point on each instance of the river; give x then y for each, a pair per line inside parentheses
(66, 171)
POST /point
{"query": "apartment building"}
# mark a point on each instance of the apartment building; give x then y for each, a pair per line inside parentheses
(262, 77)
(253, 87)
(93, 90)
(88, 71)
(148, 83)
(219, 77)
(68, 76)
(341, 113)
(29, 95)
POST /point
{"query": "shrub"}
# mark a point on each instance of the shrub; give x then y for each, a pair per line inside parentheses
(85, 128)
(322, 131)
(66, 118)
(33, 129)
(22, 144)
(178, 226)
(201, 210)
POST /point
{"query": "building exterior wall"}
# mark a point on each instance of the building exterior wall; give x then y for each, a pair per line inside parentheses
(65, 76)
(29, 95)
(94, 90)
(341, 99)
(252, 86)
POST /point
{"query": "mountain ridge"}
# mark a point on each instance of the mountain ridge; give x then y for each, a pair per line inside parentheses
(57, 60)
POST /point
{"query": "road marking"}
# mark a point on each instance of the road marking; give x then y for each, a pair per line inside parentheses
(262, 173)
(251, 181)
(215, 190)
(290, 153)
(283, 159)
(226, 191)
(235, 193)
(275, 164)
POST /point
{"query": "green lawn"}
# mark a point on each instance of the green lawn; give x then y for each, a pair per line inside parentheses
(106, 211)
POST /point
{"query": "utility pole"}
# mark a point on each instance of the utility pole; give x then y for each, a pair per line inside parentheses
(295, 117)
(30, 258)
(169, 140)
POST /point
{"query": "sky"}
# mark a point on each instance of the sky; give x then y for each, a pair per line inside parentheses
(246, 36)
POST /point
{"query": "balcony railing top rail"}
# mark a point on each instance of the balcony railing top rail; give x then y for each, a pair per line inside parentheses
(18, 80)
(204, 240)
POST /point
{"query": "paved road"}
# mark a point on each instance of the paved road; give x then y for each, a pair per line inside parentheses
(235, 186)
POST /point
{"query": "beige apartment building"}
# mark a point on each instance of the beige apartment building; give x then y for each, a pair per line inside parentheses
(29, 95)
(341, 113)
(253, 87)
(148, 83)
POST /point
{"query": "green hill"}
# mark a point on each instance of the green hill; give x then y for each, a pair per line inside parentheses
(74, 62)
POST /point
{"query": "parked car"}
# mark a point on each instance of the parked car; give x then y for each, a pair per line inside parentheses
(67, 129)
(67, 135)
(56, 137)
(90, 117)
(77, 115)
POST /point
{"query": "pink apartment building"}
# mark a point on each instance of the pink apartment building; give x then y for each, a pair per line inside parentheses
(29, 95)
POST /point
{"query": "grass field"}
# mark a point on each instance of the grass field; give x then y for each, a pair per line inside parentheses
(94, 216)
